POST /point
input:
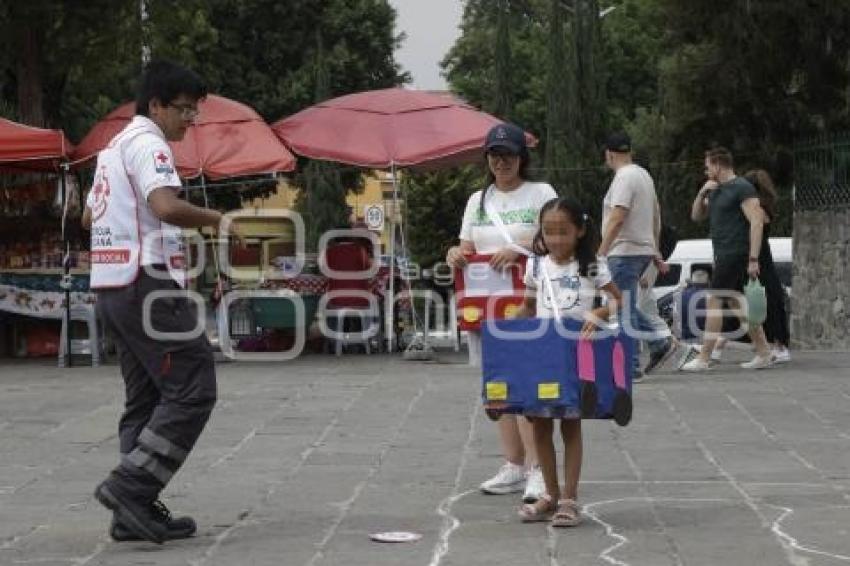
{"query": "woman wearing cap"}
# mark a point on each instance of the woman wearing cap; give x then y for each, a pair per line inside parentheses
(517, 201)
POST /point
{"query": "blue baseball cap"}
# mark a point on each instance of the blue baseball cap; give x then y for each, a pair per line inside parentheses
(619, 142)
(507, 137)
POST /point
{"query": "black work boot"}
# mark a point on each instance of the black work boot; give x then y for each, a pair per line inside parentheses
(176, 528)
(138, 516)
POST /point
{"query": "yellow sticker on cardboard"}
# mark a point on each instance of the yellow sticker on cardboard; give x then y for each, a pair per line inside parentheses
(471, 314)
(548, 391)
(497, 391)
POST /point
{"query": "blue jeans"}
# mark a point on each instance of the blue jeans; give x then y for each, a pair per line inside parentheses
(626, 271)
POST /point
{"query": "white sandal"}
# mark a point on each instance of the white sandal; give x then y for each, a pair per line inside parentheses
(541, 510)
(567, 514)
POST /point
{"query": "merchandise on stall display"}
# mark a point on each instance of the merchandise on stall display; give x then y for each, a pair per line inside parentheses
(31, 239)
(43, 254)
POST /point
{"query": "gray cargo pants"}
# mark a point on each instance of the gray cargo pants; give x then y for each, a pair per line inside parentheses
(170, 384)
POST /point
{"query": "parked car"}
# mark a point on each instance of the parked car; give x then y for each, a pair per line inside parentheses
(696, 257)
(692, 255)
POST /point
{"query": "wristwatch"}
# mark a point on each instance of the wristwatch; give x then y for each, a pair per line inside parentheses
(752, 259)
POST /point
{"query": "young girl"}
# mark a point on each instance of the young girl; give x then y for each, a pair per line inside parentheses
(565, 248)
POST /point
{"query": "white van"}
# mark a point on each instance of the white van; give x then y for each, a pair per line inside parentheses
(695, 255)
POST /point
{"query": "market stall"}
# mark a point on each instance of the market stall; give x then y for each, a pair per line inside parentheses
(43, 257)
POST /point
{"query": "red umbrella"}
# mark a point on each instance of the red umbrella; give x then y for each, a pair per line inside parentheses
(25, 147)
(396, 127)
(228, 139)
(388, 129)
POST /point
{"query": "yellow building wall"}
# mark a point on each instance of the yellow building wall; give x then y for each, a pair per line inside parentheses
(377, 185)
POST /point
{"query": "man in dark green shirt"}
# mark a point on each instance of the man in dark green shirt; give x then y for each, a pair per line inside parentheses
(736, 221)
(729, 226)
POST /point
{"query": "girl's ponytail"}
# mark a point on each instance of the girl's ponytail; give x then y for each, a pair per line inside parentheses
(588, 244)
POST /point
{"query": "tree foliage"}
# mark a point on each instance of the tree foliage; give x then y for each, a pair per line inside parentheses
(258, 51)
(321, 199)
(443, 195)
(471, 63)
(754, 75)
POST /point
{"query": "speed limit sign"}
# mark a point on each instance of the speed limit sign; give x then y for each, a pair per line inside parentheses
(374, 215)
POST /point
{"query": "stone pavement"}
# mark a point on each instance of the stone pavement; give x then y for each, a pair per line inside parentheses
(302, 460)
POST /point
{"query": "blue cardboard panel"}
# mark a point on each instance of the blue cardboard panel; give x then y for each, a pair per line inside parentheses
(523, 362)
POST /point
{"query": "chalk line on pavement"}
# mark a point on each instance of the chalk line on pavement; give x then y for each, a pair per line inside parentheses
(444, 509)
(790, 552)
(345, 506)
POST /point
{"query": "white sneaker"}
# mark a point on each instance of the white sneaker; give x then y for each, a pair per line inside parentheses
(690, 352)
(759, 362)
(509, 479)
(695, 365)
(716, 353)
(535, 487)
(781, 355)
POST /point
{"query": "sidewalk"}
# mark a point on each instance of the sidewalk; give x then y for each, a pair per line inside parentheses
(302, 461)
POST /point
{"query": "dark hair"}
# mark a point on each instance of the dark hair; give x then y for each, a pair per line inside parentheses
(588, 244)
(165, 81)
(720, 156)
(767, 192)
(524, 164)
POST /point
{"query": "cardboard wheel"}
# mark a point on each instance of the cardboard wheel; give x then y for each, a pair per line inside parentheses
(588, 399)
(622, 408)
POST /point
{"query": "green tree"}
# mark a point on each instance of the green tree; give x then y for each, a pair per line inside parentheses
(471, 64)
(559, 84)
(587, 105)
(69, 63)
(76, 60)
(436, 201)
(502, 105)
(266, 49)
(49, 52)
(321, 199)
(754, 76)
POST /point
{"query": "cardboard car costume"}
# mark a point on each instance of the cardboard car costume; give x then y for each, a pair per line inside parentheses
(483, 292)
(539, 365)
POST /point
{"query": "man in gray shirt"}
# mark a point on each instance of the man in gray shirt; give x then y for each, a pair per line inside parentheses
(630, 221)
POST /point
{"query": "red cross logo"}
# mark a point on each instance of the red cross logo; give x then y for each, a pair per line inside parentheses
(101, 192)
(161, 157)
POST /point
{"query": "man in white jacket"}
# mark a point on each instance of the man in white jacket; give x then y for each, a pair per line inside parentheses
(138, 273)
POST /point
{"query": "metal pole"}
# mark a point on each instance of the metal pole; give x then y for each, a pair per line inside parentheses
(216, 235)
(143, 18)
(223, 324)
(390, 308)
(66, 266)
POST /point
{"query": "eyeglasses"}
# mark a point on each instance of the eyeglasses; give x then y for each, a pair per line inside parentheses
(187, 111)
(501, 156)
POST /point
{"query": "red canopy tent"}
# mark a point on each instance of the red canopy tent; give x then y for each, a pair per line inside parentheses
(228, 139)
(388, 129)
(25, 148)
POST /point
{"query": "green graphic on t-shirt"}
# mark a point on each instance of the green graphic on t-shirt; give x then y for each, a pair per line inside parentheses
(519, 216)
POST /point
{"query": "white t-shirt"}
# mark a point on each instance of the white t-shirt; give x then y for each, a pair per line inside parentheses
(573, 293)
(519, 210)
(632, 188)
